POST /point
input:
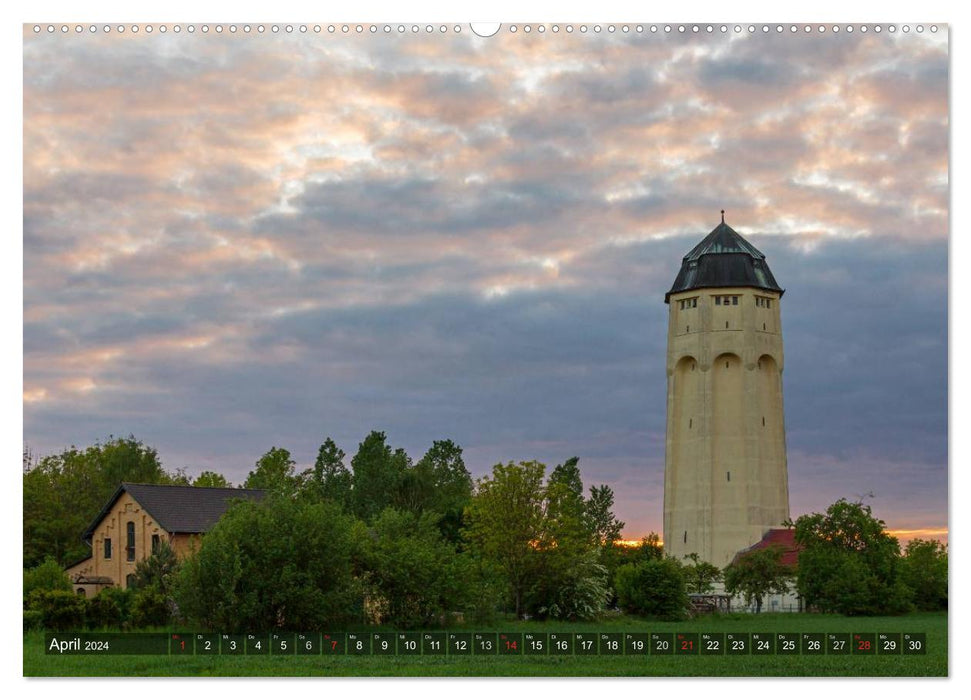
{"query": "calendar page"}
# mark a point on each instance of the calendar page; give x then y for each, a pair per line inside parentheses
(534, 349)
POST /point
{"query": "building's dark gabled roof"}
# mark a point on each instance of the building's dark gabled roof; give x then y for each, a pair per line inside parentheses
(185, 509)
(724, 259)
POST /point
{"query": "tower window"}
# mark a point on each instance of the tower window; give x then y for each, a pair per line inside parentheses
(734, 301)
(718, 301)
(107, 548)
(768, 303)
(726, 324)
(687, 329)
(686, 537)
(694, 303)
(690, 420)
(763, 421)
(763, 326)
(729, 475)
(726, 364)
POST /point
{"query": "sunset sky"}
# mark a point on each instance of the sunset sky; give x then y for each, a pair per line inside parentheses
(239, 241)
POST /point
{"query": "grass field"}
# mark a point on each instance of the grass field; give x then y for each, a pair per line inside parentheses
(934, 663)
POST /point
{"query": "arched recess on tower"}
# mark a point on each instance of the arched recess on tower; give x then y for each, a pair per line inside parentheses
(769, 383)
(728, 414)
(686, 403)
(772, 446)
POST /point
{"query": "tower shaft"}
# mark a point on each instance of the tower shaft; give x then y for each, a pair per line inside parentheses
(725, 475)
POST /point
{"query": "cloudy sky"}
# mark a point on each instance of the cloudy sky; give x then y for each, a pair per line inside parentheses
(234, 241)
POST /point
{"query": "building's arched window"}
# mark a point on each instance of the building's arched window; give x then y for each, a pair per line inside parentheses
(130, 581)
(81, 592)
(156, 543)
(130, 545)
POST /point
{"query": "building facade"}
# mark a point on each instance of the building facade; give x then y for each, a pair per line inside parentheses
(137, 519)
(725, 475)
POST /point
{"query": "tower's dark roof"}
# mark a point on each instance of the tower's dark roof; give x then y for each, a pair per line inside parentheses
(724, 259)
(187, 509)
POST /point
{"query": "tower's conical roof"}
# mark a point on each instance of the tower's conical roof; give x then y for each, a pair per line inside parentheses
(724, 259)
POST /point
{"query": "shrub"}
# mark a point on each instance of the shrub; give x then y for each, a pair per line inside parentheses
(110, 608)
(653, 587)
(576, 589)
(47, 576)
(59, 610)
(150, 608)
(32, 620)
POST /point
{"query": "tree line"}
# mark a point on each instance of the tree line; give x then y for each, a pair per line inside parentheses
(380, 538)
(376, 537)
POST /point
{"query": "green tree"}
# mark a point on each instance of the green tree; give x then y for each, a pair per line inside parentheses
(211, 480)
(700, 576)
(444, 485)
(541, 539)
(599, 512)
(378, 472)
(158, 570)
(179, 478)
(653, 587)
(276, 472)
(330, 479)
(505, 523)
(64, 492)
(651, 547)
(275, 564)
(416, 573)
(565, 524)
(849, 564)
(757, 574)
(924, 571)
(570, 581)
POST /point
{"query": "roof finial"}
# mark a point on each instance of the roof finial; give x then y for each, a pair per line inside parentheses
(723, 216)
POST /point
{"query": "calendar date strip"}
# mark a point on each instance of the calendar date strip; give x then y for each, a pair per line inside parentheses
(460, 644)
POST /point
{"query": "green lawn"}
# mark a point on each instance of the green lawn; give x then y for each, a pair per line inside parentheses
(934, 663)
